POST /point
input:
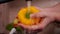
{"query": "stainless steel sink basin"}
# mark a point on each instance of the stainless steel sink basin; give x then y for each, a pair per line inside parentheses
(9, 12)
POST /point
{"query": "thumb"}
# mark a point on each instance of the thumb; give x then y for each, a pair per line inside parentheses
(38, 15)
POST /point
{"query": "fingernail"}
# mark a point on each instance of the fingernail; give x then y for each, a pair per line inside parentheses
(31, 15)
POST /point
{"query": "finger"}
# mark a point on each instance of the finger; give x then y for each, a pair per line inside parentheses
(24, 26)
(32, 15)
(36, 18)
(39, 14)
(45, 22)
(33, 27)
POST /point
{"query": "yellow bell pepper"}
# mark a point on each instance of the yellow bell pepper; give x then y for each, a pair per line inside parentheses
(24, 15)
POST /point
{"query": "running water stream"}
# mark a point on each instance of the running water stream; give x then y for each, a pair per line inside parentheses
(29, 31)
(28, 6)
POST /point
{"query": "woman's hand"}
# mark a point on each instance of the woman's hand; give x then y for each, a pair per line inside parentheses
(49, 15)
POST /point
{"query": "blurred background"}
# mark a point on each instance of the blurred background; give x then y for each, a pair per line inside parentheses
(9, 10)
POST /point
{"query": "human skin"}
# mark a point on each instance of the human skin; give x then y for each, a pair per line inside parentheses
(50, 14)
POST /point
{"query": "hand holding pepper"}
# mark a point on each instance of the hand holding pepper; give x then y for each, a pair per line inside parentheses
(49, 15)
